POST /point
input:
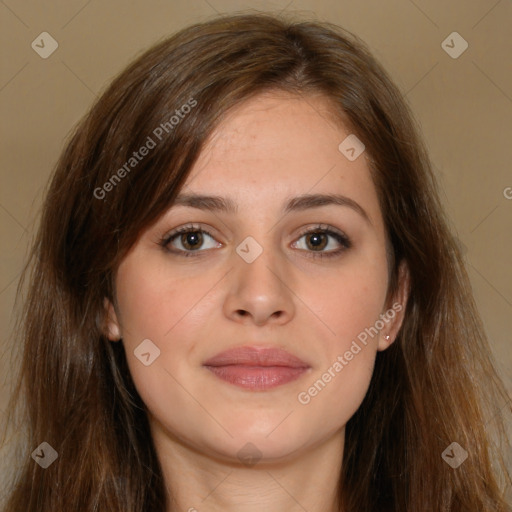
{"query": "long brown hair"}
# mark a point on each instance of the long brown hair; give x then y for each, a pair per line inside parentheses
(434, 386)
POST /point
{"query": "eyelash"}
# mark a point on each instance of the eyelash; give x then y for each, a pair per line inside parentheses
(324, 229)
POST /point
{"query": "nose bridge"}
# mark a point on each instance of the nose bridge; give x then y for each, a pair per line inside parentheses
(259, 262)
(259, 280)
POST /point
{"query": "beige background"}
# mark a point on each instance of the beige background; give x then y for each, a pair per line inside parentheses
(464, 106)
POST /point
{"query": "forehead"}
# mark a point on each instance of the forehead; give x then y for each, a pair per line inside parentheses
(278, 145)
(294, 125)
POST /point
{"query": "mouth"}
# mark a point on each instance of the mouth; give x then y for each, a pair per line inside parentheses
(256, 369)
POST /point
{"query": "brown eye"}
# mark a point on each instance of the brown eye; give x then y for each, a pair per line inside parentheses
(191, 240)
(317, 239)
(187, 240)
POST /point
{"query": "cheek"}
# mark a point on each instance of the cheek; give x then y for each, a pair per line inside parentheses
(168, 310)
(350, 306)
(153, 301)
(338, 391)
(157, 308)
(341, 378)
(351, 301)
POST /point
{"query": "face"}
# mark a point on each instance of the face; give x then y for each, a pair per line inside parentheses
(306, 278)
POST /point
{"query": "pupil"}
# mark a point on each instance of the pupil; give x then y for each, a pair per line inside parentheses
(192, 239)
(316, 240)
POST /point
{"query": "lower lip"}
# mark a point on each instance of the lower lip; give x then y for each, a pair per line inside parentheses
(257, 377)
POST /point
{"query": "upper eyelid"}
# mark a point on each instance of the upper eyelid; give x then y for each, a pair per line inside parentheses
(209, 230)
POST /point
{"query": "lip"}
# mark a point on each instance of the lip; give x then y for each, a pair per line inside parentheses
(256, 368)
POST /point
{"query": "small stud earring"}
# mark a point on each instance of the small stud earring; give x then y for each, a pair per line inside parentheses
(387, 337)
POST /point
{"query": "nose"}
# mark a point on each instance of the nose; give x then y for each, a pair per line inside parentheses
(260, 292)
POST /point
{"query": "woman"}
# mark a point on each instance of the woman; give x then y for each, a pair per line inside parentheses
(244, 295)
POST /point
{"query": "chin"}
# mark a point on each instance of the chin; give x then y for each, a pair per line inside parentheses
(252, 450)
(267, 435)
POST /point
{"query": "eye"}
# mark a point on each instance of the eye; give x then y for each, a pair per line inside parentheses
(317, 239)
(191, 238)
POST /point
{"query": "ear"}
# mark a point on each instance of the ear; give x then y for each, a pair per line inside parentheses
(394, 313)
(112, 328)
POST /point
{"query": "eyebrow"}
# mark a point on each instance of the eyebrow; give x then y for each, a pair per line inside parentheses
(299, 203)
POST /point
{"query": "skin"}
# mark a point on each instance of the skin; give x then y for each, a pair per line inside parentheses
(268, 149)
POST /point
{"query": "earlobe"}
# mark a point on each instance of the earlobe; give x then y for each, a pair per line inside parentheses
(394, 315)
(112, 329)
(385, 340)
